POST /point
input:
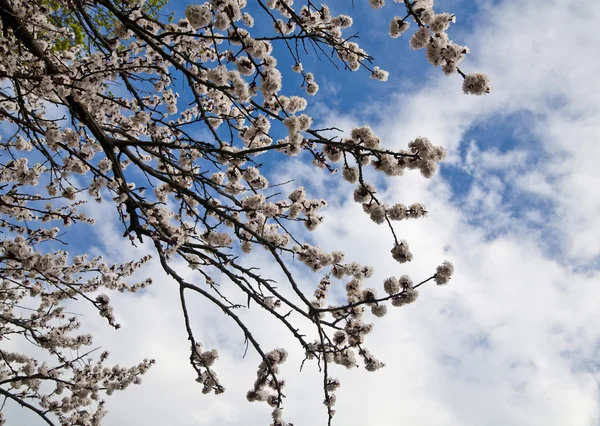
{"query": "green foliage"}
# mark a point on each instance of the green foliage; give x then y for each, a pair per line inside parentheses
(62, 17)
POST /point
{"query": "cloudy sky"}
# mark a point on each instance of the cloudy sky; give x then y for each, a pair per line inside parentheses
(515, 338)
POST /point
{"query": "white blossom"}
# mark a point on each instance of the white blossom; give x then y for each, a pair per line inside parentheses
(199, 16)
(398, 26)
(476, 84)
(379, 74)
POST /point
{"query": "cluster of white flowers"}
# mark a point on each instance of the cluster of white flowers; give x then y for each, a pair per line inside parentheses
(315, 258)
(431, 35)
(199, 16)
(331, 386)
(203, 361)
(71, 399)
(444, 273)
(476, 84)
(268, 387)
(321, 292)
(371, 363)
(311, 85)
(50, 278)
(379, 74)
(400, 290)
(103, 303)
(18, 171)
(398, 26)
(401, 252)
(217, 239)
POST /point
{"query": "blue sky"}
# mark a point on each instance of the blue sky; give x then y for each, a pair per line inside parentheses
(513, 339)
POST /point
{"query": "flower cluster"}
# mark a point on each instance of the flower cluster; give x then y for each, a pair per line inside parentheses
(444, 273)
(268, 387)
(431, 35)
(202, 361)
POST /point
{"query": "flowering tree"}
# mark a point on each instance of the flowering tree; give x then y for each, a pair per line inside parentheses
(201, 200)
